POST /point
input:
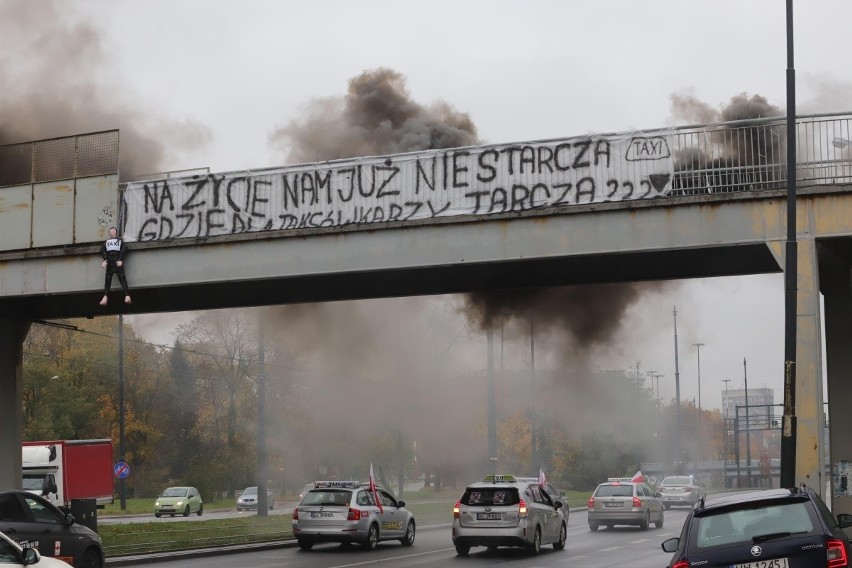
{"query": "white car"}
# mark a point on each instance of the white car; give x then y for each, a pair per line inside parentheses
(13, 555)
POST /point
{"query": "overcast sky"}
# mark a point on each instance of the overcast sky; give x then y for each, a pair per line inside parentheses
(225, 75)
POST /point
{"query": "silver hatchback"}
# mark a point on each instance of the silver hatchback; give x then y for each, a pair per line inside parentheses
(625, 502)
(346, 512)
(502, 510)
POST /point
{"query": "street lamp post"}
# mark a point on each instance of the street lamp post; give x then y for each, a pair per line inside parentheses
(747, 425)
(678, 447)
(698, 346)
(122, 487)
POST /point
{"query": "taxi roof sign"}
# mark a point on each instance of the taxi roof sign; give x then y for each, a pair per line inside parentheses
(500, 478)
(334, 483)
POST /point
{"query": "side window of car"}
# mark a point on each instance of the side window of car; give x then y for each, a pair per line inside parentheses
(10, 508)
(825, 513)
(41, 513)
(8, 554)
(387, 500)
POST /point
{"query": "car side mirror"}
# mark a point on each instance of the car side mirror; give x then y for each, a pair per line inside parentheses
(68, 519)
(658, 494)
(31, 556)
(844, 520)
(671, 544)
(401, 504)
(558, 503)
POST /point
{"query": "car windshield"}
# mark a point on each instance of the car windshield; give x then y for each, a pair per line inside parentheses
(174, 492)
(249, 491)
(490, 496)
(33, 483)
(676, 481)
(327, 497)
(753, 525)
(614, 491)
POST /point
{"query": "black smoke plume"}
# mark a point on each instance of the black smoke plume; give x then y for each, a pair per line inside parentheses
(57, 80)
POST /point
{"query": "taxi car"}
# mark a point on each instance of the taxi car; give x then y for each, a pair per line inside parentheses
(621, 501)
(13, 555)
(504, 510)
(247, 499)
(680, 490)
(778, 528)
(346, 512)
(182, 500)
(36, 523)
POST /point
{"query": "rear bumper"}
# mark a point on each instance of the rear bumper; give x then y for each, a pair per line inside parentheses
(510, 536)
(636, 517)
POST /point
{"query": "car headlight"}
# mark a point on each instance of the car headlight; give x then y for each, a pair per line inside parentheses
(179, 503)
(157, 504)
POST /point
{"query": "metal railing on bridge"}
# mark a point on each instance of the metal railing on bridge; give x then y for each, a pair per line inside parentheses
(749, 155)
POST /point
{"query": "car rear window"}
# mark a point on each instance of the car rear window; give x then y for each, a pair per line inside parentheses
(614, 491)
(676, 481)
(327, 497)
(490, 496)
(743, 525)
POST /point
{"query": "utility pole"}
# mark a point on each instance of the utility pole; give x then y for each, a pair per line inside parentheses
(122, 486)
(747, 425)
(788, 432)
(698, 346)
(492, 404)
(533, 426)
(727, 435)
(262, 475)
(678, 447)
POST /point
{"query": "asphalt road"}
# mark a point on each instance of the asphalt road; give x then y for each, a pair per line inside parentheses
(621, 546)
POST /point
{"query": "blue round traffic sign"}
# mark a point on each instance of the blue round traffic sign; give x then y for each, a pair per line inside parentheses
(121, 470)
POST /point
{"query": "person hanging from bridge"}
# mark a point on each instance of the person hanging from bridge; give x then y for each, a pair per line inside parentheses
(113, 252)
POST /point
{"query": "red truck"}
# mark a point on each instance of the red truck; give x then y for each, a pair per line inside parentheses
(67, 470)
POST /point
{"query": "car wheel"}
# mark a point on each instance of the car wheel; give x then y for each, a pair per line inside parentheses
(200, 509)
(593, 527)
(408, 539)
(563, 536)
(536, 543)
(372, 538)
(90, 559)
(462, 550)
(659, 524)
(305, 544)
(157, 515)
(646, 521)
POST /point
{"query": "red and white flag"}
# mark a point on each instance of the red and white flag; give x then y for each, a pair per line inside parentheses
(373, 490)
(542, 480)
(638, 477)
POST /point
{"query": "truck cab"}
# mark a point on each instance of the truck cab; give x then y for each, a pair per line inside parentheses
(42, 466)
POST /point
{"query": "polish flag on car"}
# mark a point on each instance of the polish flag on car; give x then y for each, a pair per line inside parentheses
(373, 490)
(638, 477)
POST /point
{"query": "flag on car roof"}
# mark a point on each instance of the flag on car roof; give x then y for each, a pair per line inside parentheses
(638, 477)
(373, 490)
(542, 480)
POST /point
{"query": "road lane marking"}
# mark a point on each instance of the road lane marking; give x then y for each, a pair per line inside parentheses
(395, 558)
(611, 548)
(640, 541)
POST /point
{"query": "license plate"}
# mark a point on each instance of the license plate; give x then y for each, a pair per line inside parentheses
(612, 504)
(774, 563)
(488, 516)
(321, 515)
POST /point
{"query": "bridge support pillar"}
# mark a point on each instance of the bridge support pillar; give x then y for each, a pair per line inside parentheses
(810, 438)
(836, 285)
(12, 335)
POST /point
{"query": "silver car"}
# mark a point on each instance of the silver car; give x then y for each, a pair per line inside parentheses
(680, 490)
(625, 502)
(346, 512)
(502, 510)
(248, 499)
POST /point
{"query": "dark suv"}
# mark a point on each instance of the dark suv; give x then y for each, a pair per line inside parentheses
(775, 528)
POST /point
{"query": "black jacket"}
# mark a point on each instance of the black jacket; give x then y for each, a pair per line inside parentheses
(113, 250)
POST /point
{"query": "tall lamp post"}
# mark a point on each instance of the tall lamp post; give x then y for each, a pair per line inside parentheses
(747, 425)
(788, 432)
(698, 346)
(122, 486)
(677, 392)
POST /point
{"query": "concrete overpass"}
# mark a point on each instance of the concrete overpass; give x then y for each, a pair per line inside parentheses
(710, 218)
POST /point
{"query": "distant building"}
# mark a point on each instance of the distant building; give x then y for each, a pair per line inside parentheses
(760, 403)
